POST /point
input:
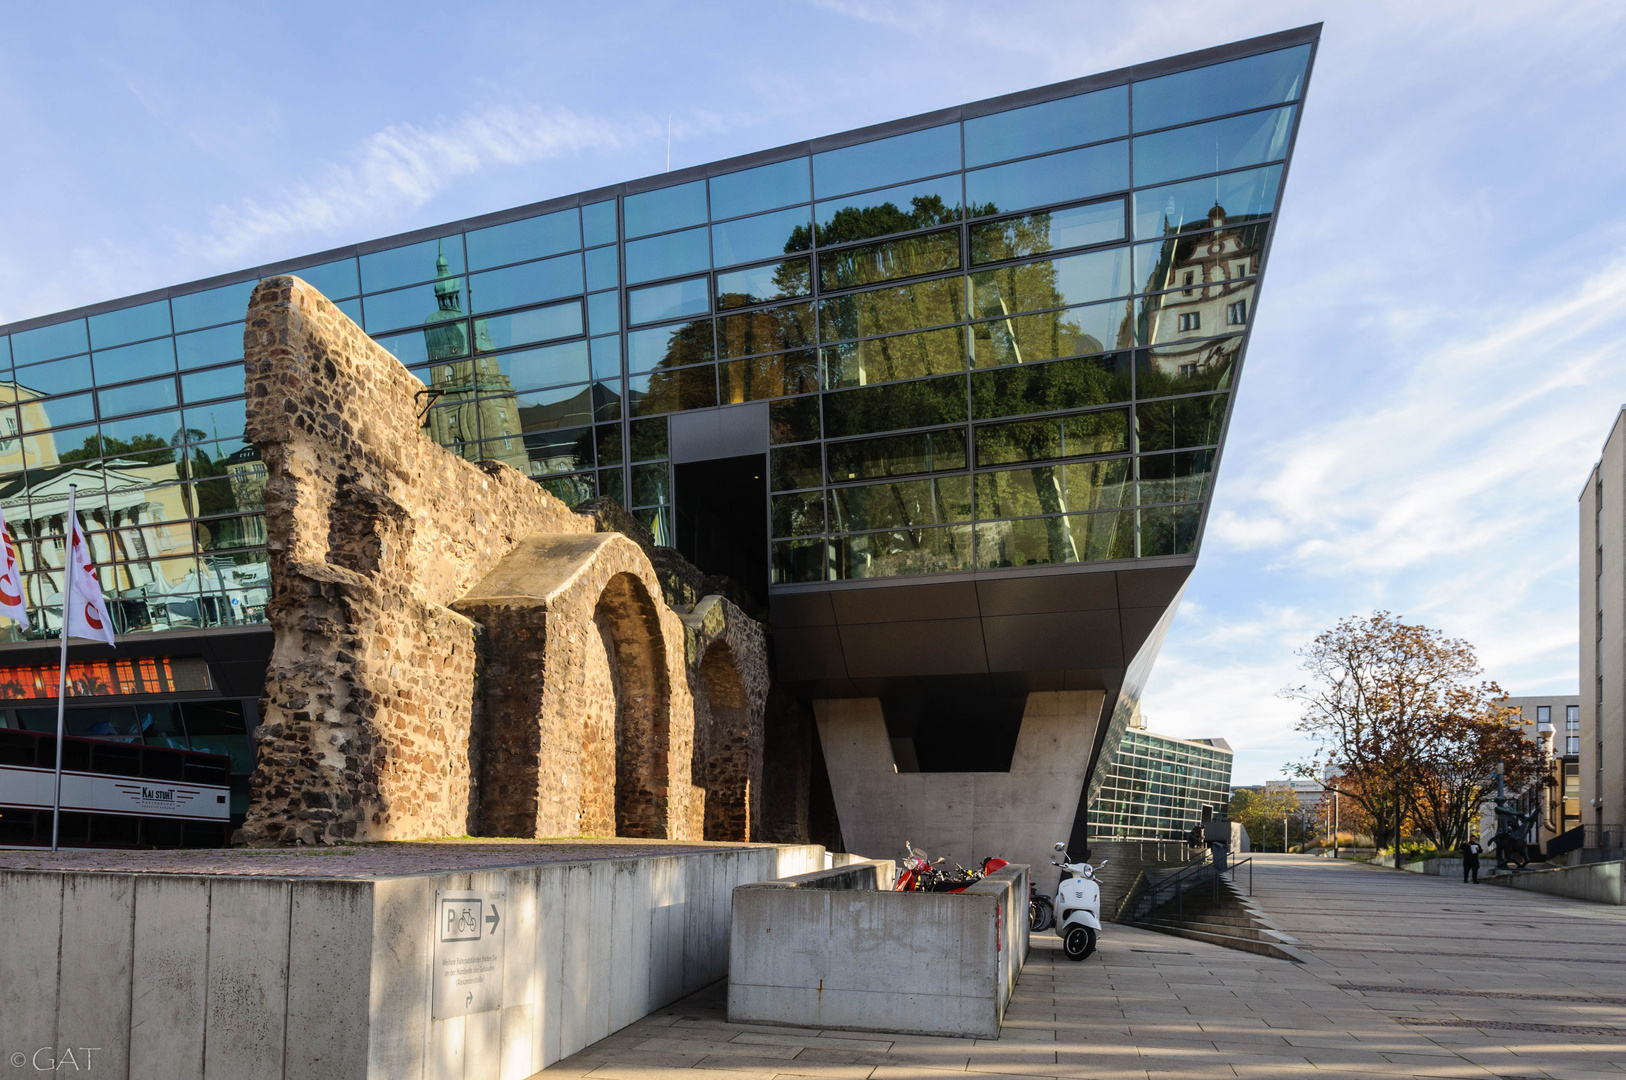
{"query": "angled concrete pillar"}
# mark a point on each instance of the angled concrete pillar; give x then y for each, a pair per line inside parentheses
(1014, 815)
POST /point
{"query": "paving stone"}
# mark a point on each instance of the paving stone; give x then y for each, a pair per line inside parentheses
(1140, 1009)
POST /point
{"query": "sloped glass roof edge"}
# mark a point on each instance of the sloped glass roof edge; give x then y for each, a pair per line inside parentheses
(1306, 34)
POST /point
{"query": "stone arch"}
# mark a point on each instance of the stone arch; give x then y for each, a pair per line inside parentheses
(629, 629)
(727, 775)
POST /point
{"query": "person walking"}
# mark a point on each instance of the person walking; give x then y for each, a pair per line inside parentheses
(1470, 859)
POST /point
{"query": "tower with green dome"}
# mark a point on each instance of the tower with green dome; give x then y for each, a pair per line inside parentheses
(476, 413)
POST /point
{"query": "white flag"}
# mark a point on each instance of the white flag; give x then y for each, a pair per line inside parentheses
(11, 578)
(87, 614)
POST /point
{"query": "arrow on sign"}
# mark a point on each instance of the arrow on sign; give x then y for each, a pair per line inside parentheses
(492, 918)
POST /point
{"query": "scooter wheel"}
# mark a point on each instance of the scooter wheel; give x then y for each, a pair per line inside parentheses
(1079, 942)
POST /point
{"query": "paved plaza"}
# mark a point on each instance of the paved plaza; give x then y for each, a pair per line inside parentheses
(1405, 976)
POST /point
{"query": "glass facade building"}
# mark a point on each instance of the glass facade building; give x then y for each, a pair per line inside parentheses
(996, 340)
(1157, 787)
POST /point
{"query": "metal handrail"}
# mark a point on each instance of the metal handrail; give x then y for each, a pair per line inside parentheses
(1234, 867)
(1179, 883)
(1184, 881)
(1585, 836)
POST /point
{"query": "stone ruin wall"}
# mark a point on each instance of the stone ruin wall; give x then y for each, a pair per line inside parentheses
(397, 704)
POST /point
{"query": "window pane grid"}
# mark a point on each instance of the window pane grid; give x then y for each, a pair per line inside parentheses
(1178, 344)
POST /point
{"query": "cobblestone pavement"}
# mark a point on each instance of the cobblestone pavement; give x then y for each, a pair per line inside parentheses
(1407, 976)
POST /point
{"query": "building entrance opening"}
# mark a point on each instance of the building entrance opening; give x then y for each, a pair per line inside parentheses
(721, 519)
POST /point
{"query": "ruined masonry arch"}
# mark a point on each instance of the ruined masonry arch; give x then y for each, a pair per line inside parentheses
(629, 632)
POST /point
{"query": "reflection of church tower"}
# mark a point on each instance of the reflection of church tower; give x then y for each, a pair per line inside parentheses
(477, 399)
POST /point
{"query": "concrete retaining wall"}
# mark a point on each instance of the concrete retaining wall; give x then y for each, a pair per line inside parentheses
(820, 951)
(1598, 882)
(243, 978)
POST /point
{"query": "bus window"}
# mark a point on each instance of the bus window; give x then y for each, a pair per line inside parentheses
(159, 726)
(217, 727)
(116, 722)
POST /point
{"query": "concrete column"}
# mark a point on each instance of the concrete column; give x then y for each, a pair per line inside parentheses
(1014, 815)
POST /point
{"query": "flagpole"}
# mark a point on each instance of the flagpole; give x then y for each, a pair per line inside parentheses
(62, 670)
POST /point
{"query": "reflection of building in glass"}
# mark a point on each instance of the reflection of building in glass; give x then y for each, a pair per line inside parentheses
(1157, 787)
(1210, 278)
(947, 402)
(475, 400)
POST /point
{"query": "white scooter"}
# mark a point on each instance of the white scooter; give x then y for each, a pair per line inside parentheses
(1078, 905)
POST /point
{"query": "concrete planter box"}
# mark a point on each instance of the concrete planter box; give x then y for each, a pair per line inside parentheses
(1599, 882)
(248, 977)
(839, 949)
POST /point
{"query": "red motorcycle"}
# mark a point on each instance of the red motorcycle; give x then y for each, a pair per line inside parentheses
(921, 873)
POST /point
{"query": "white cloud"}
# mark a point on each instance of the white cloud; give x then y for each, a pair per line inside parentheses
(404, 166)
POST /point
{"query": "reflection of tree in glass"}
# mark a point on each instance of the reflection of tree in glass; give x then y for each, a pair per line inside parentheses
(747, 333)
(147, 449)
(923, 403)
(1026, 287)
(798, 514)
(1056, 387)
(793, 420)
(1168, 425)
(1012, 238)
(792, 276)
(852, 223)
(675, 385)
(1067, 384)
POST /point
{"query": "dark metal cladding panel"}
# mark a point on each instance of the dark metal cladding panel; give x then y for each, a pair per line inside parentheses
(906, 603)
(932, 647)
(1155, 586)
(808, 653)
(801, 609)
(1090, 591)
(1137, 626)
(1054, 640)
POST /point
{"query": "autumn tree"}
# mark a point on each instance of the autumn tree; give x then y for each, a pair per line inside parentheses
(1460, 769)
(1382, 700)
(1264, 814)
(1343, 815)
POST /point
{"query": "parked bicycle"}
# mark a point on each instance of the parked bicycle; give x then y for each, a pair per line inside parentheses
(1041, 911)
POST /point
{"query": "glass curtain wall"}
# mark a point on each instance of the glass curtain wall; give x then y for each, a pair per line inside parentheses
(1156, 787)
(999, 342)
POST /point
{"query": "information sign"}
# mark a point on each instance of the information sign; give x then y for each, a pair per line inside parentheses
(469, 927)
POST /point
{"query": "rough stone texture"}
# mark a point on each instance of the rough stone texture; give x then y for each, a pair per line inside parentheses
(586, 729)
(728, 669)
(384, 691)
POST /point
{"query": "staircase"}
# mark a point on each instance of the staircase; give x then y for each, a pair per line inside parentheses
(1127, 864)
(1198, 903)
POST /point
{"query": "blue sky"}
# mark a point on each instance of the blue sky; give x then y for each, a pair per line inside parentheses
(1437, 356)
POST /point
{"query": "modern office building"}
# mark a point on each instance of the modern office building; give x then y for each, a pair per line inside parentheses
(1552, 722)
(1308, 793)
(1156, 787)
(1601, 734)
(946, 395)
